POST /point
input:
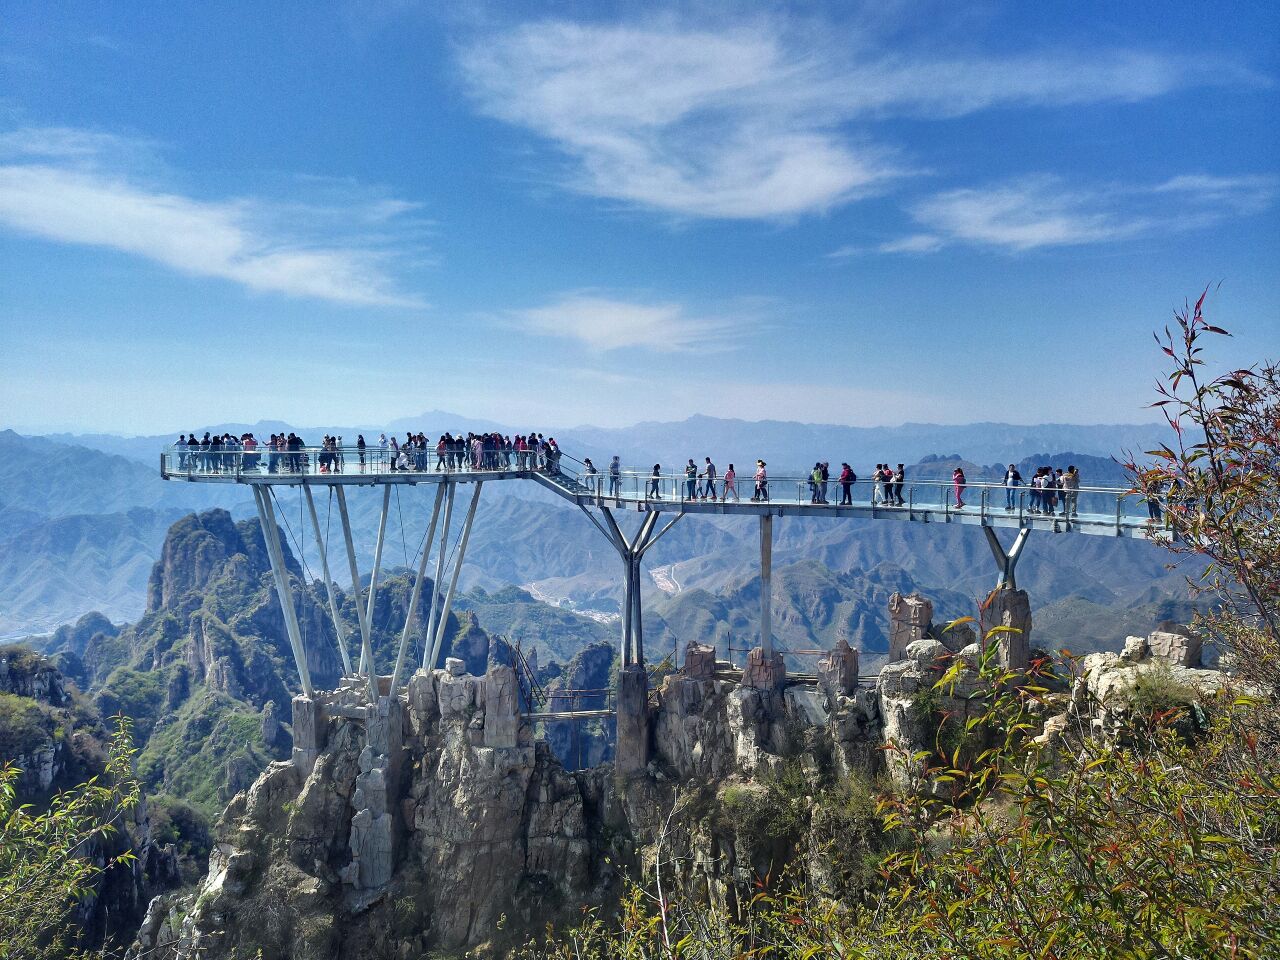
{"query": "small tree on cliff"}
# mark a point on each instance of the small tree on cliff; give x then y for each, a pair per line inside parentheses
(47, 860)
(1220, 482)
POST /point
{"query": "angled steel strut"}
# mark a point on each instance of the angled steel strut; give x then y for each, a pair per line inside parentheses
(271, 536)
(632, 553)
(1007, 561)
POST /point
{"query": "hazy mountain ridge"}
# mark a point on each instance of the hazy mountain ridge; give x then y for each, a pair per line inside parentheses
(55, 568)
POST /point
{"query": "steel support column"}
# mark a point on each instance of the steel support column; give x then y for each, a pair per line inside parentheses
(366, 643)
(373, 576)
(271, 537)
(328, 583)
(417, 592)
(1007, 561)
(632, 554)
(453, 579)
(435, 583)
(766, 586)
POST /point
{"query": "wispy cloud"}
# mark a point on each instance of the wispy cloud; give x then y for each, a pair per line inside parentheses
(759, 121)
(57, 185)
(601, 324)
(1044, 211)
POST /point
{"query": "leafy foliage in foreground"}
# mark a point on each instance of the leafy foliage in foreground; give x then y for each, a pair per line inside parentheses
(46, 857)
(1164, 842)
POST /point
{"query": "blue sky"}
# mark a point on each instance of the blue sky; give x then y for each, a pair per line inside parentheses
(846, 213)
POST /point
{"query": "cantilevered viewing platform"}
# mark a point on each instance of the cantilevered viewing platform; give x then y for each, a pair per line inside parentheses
(1099, 511)
(659, 499)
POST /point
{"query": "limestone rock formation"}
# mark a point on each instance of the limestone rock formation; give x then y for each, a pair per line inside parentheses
(1011, 609)
(1175, 644)
(909, 619)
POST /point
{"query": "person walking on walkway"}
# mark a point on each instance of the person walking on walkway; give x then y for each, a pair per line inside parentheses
(1151, 489)
(615, 477)
(1012, 480)
(847, 479)
(958, 480)
(709, 480)
(762, 482)
(877, 485)
(899, 477)
(593, 481)
(730, 484)
(815, 480)
(655, 483)
(361, 446)
(690, 480)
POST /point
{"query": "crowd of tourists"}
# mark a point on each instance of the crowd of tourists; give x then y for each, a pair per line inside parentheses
(1050, 491)
(288, 453)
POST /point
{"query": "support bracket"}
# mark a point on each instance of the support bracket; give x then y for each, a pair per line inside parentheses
(1007, 561)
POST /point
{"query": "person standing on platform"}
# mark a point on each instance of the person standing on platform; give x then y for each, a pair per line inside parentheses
(958, 480)
(847, 479)
(877, 485)
(709, 478)
(1012, 480)
(762, 482)
(899, 477)
(1070, 491)
(615, 477)
(655, 483)
(691, 480)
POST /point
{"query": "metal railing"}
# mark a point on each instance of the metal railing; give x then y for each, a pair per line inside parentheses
(1116, 506)
(974, 498)
(373, 460)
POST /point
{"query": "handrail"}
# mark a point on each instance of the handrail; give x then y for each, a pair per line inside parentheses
(1119, 508)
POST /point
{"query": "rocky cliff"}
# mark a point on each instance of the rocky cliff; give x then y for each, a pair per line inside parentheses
(434, 821)
(57, 740)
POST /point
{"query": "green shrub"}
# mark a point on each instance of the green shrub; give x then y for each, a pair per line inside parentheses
(1155, 689)
(760, 815)
(24, 726)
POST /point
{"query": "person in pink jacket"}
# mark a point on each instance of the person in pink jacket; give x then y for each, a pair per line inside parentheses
(730, 484)
(957, 478)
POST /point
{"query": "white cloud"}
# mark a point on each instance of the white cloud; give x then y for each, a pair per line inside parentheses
(915, 243)
(1244, 195)
(61, 194)
(755, 121)
(602, 324)
(1036, 212)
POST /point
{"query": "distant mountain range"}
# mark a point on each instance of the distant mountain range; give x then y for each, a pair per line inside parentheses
(83, 517)
(786, 445)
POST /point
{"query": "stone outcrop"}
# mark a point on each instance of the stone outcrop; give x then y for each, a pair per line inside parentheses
(909, 620)
(764, 673)
(1176, 644)
(838, 670)
(25, 674)
(1011, 609)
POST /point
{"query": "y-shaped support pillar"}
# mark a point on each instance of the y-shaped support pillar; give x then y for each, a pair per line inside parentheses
(271, 536)
(632, 751)
(1007, 562)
